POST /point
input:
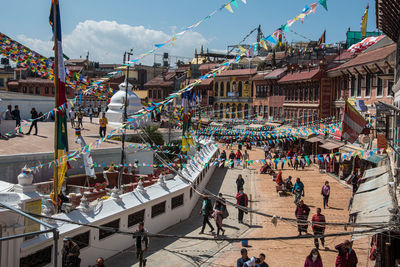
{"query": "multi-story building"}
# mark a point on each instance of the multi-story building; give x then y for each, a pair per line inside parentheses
(367, 77)
(233, 94)
(164, 84)
(268, 96)
(307, 95)
(6, 74)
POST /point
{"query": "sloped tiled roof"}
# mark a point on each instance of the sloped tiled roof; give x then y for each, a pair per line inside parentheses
(300, 76)
(369, 57)
(238, 72)
(160, 81)
(276, 74)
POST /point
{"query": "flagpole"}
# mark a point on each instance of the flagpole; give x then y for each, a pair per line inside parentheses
(56, 85)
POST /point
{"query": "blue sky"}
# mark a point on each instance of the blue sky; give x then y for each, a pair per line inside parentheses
(107, 28)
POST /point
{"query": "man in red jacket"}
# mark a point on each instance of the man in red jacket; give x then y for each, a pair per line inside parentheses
(319, 229)
(242, 200)
(347, 256)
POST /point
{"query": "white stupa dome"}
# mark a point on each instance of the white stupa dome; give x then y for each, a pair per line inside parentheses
(115, 112)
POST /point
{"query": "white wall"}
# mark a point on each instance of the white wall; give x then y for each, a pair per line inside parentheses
(118, 242)
(25, 105)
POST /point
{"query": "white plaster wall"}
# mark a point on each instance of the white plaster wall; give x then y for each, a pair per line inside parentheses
(25, 105)
(118, 242)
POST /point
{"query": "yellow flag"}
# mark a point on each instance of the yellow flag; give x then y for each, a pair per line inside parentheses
(229, 8)
(242, 49)
(364, 22)
(264, 45)
(173, 41)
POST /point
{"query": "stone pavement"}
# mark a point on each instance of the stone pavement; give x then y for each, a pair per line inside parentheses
(183, 252)
(293, 252)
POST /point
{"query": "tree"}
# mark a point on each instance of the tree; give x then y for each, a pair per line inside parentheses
(153, 135)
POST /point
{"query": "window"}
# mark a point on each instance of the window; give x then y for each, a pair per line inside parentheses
(239, 110)
(216, 89)
(24, 90)
(316, 92)
(368, 85)
(228, 111)
(260, 109)
(46, 90)
(31, 90)
(158, 209)
(276, 90)
(240, 89)
(228, 88)
(39, 258)
(105, 233)
(390, 86)
(177, 201)
(52, 90)
(222, 89)
(359, 81)
(296, 95)
(1, 82)
(246, 111)
(82, 240)
(280, 112)
(353, 86)
(265, 112)
(379, 88)
(301, 94)
(150, 93)
(233, 111)
(271, 111)
(136, 218)
(271, 90)
(221, 110)
(159, 94)
(280, 90)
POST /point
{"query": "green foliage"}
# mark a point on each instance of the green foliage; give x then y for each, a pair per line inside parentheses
(153, 136)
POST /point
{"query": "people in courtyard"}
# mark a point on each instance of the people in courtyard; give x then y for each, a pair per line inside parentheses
(90, 113)
(232, 157)
(318, 226)
(72, 117)
(99, 262)
(17, 117)
(243, 201)
(313, 259)
(239, 156)
(279, 179)
(80, 118)
(298, 190)
(206, 212)
(301, 213)
(240, 262)
(239, 182)
(219, 208)
(325, 192)
(288, 183)
(246, 159)
(70, 253)
(142, 244)
(262, 261)
(346, 257)
(34, 116)
(103, 125)
(223, 159)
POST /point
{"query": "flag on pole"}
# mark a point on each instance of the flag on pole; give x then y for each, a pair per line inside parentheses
(364, 22)
(353, 123)
(322, 39)
(61, 127)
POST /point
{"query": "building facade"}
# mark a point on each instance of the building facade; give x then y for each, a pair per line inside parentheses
(233, 94)
(268, 97)
(6, 74)
(367, 77)
(307, 95)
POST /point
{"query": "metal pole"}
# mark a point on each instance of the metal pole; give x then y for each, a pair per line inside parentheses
(124, 121)
(56, 85)
(55, 249)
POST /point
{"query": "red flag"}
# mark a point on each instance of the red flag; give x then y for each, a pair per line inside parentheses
(353, 123)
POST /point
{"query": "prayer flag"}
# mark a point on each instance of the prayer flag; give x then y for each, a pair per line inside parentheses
(322, 39)
(364, 22)
(353, 123)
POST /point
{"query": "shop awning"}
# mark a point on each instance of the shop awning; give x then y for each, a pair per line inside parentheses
(315, 139)
(329, 145)
(374, 183)
(372, 202)
(375, 159)
(375, 172)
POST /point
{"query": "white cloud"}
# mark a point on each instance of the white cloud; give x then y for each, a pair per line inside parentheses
(106, 42)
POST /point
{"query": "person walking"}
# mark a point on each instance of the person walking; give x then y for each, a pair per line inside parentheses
(206, 211)
(103, 125)
(223, 159)
(142, 243)
(34, 116)
(8, 116)
(301, 213)
(239, 183)
(70, 253)
(219, 208)
(17, 117)
(298, 190)
(241, 261)
(354, 181)
(246, 158)
(314, 259)
(346, 257)
(80, 118)
(243, 201)
(90, 113)
(232, 157)
(325, 192)
(239, 157)
(318, 229)
(72, 117)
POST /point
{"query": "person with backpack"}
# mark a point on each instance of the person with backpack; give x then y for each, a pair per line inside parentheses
(142, 243)
(325, 192)
(206, 211)
(243, 201)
